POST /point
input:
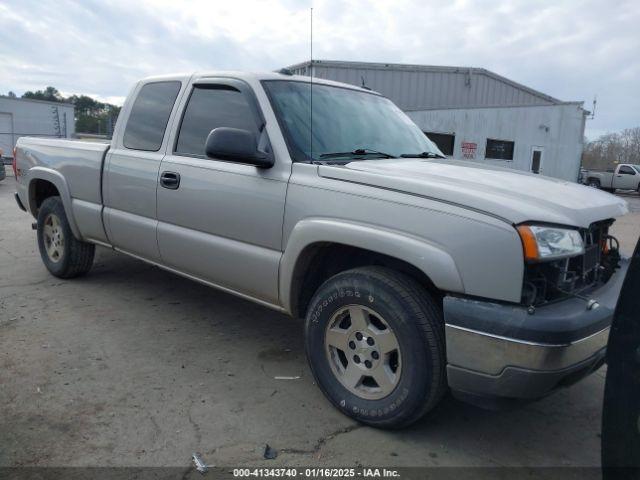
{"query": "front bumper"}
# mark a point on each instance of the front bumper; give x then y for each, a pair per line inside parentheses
(507, 351)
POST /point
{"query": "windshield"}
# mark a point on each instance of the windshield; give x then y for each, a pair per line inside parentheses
(345, 121)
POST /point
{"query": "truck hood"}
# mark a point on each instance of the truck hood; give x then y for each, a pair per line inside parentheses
(512, 195)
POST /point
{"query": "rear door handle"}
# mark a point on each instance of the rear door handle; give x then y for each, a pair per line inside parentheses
(170, 180)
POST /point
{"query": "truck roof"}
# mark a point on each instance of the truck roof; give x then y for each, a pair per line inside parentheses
(252, 76)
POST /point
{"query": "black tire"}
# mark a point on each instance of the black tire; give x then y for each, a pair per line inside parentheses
(594, 183)
(76, 257)
(416, 320)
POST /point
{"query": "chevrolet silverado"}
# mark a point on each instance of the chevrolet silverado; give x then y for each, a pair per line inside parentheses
(414, 274)
(624, 176)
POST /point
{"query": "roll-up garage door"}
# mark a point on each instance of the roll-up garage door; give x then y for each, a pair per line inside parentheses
(6, 134)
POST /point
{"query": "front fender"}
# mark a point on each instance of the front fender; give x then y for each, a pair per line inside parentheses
(436, 263)
(56, 178)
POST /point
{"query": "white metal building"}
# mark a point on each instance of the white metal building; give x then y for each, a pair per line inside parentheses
(475, 114)
(21, 117)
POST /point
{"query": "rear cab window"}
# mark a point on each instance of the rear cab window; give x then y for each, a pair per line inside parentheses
(149, 116)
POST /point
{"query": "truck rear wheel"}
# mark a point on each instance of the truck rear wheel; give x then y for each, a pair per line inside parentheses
(375, 343)
(63, 254)
(593, 182)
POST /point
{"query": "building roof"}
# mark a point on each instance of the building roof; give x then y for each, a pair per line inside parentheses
(57, 104)
(420, 87)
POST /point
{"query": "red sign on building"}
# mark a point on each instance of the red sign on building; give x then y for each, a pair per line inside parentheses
(469, 150)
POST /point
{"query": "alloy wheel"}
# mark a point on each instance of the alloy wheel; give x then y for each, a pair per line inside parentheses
(363, 352)
(53, 236)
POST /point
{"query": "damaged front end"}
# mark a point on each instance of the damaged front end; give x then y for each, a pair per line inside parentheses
(550, 281)
(498, 351)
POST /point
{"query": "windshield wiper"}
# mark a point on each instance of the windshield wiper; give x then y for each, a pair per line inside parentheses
(356, 153)
(422, 155)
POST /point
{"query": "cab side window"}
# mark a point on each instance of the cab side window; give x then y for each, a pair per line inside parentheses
(149, 116)
(210, 107)
(626, 170)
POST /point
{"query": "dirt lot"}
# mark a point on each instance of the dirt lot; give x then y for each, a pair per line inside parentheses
(132, 365)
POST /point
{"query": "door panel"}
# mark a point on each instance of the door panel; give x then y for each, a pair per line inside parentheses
(625, 181)
(223, 224)
(236, 265)
(131, 180)
(130, 177)
(221, 221)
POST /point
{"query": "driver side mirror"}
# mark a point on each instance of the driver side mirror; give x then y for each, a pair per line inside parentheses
(236, 145)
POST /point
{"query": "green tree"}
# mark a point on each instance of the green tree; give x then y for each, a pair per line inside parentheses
(50, 94)
(92, 116)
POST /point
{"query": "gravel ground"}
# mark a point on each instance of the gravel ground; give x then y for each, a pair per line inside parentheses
(134, 366)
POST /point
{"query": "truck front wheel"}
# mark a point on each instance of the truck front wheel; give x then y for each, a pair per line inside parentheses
(375, 343)
(63, 254)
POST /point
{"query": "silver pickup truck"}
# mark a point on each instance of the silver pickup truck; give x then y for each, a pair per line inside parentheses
(624, 176)
(414, 274)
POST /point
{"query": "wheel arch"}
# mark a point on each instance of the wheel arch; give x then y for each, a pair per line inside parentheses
(320, 248)
(45, 183)
(594, 179)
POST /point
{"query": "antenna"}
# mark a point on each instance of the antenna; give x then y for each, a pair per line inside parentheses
(311, 87)
(593, 110)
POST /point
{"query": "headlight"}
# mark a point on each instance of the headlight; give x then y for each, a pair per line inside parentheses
(548, 243)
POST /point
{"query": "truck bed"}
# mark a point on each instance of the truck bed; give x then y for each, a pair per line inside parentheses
(79, 162)
(75, 168)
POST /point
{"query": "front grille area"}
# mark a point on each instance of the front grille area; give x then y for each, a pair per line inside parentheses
(546, 282)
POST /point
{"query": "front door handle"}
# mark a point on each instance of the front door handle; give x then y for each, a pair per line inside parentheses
(170, 180)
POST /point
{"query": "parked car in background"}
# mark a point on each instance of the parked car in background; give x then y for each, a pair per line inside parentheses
(414, 273)
(624, 177)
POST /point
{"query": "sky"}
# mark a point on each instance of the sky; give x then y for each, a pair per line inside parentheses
(572, 50)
